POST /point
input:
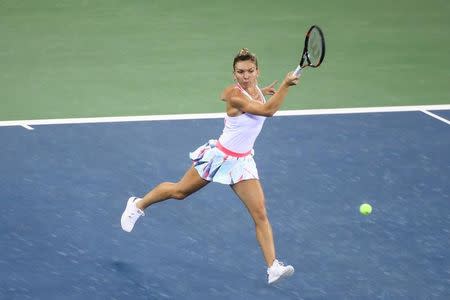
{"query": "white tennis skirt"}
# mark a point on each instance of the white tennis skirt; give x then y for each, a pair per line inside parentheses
(215, 163)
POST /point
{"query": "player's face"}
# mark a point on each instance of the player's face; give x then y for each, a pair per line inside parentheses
(246, 73)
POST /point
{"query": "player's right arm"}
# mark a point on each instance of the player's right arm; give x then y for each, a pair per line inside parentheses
(237, 101)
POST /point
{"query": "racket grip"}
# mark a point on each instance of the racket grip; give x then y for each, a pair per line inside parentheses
(298, 71)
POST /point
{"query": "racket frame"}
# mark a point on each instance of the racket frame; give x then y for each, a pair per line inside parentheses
(305, 57)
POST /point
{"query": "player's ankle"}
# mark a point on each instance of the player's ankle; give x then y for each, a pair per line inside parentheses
(140, 205)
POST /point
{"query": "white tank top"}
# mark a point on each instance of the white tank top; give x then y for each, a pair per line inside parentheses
(240, 132)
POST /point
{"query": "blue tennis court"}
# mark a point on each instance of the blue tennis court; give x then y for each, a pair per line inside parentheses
(63, 189)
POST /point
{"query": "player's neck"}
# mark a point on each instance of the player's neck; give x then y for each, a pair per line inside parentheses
(249, 89)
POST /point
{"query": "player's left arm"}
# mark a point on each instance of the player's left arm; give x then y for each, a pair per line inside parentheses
(270, 89)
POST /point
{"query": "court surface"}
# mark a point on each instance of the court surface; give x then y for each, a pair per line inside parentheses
(64, 182)
(63, 188)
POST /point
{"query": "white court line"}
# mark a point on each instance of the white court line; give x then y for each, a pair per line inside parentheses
(304, 112)
(27, 126)
(112, 119)
(436, 116)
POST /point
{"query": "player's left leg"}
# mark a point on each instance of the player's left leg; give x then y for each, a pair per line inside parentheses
(251, 194)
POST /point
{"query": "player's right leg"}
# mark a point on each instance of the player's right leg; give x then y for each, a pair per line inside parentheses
(190, 183)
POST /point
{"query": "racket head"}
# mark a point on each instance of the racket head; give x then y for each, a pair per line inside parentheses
(314, 51)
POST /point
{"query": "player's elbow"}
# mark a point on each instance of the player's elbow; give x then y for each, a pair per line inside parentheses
(270, 111)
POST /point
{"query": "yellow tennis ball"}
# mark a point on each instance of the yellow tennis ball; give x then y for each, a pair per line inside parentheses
(365, 209)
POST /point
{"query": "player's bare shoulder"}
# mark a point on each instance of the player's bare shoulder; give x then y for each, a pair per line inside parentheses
(229, 92)
(233, 97)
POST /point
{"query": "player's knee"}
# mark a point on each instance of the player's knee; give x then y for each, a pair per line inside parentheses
(260, 216)
(179, 194)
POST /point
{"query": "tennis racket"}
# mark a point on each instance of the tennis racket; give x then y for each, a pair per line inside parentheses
(313, 51)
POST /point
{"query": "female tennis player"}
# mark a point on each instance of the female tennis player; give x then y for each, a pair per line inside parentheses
(229, 159)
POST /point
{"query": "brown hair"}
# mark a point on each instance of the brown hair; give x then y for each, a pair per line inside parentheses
(243, 55)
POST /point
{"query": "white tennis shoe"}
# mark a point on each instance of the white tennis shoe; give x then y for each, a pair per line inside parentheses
(278, 271)
(131, 214)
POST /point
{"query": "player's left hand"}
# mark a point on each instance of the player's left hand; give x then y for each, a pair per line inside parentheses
(270, 89)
